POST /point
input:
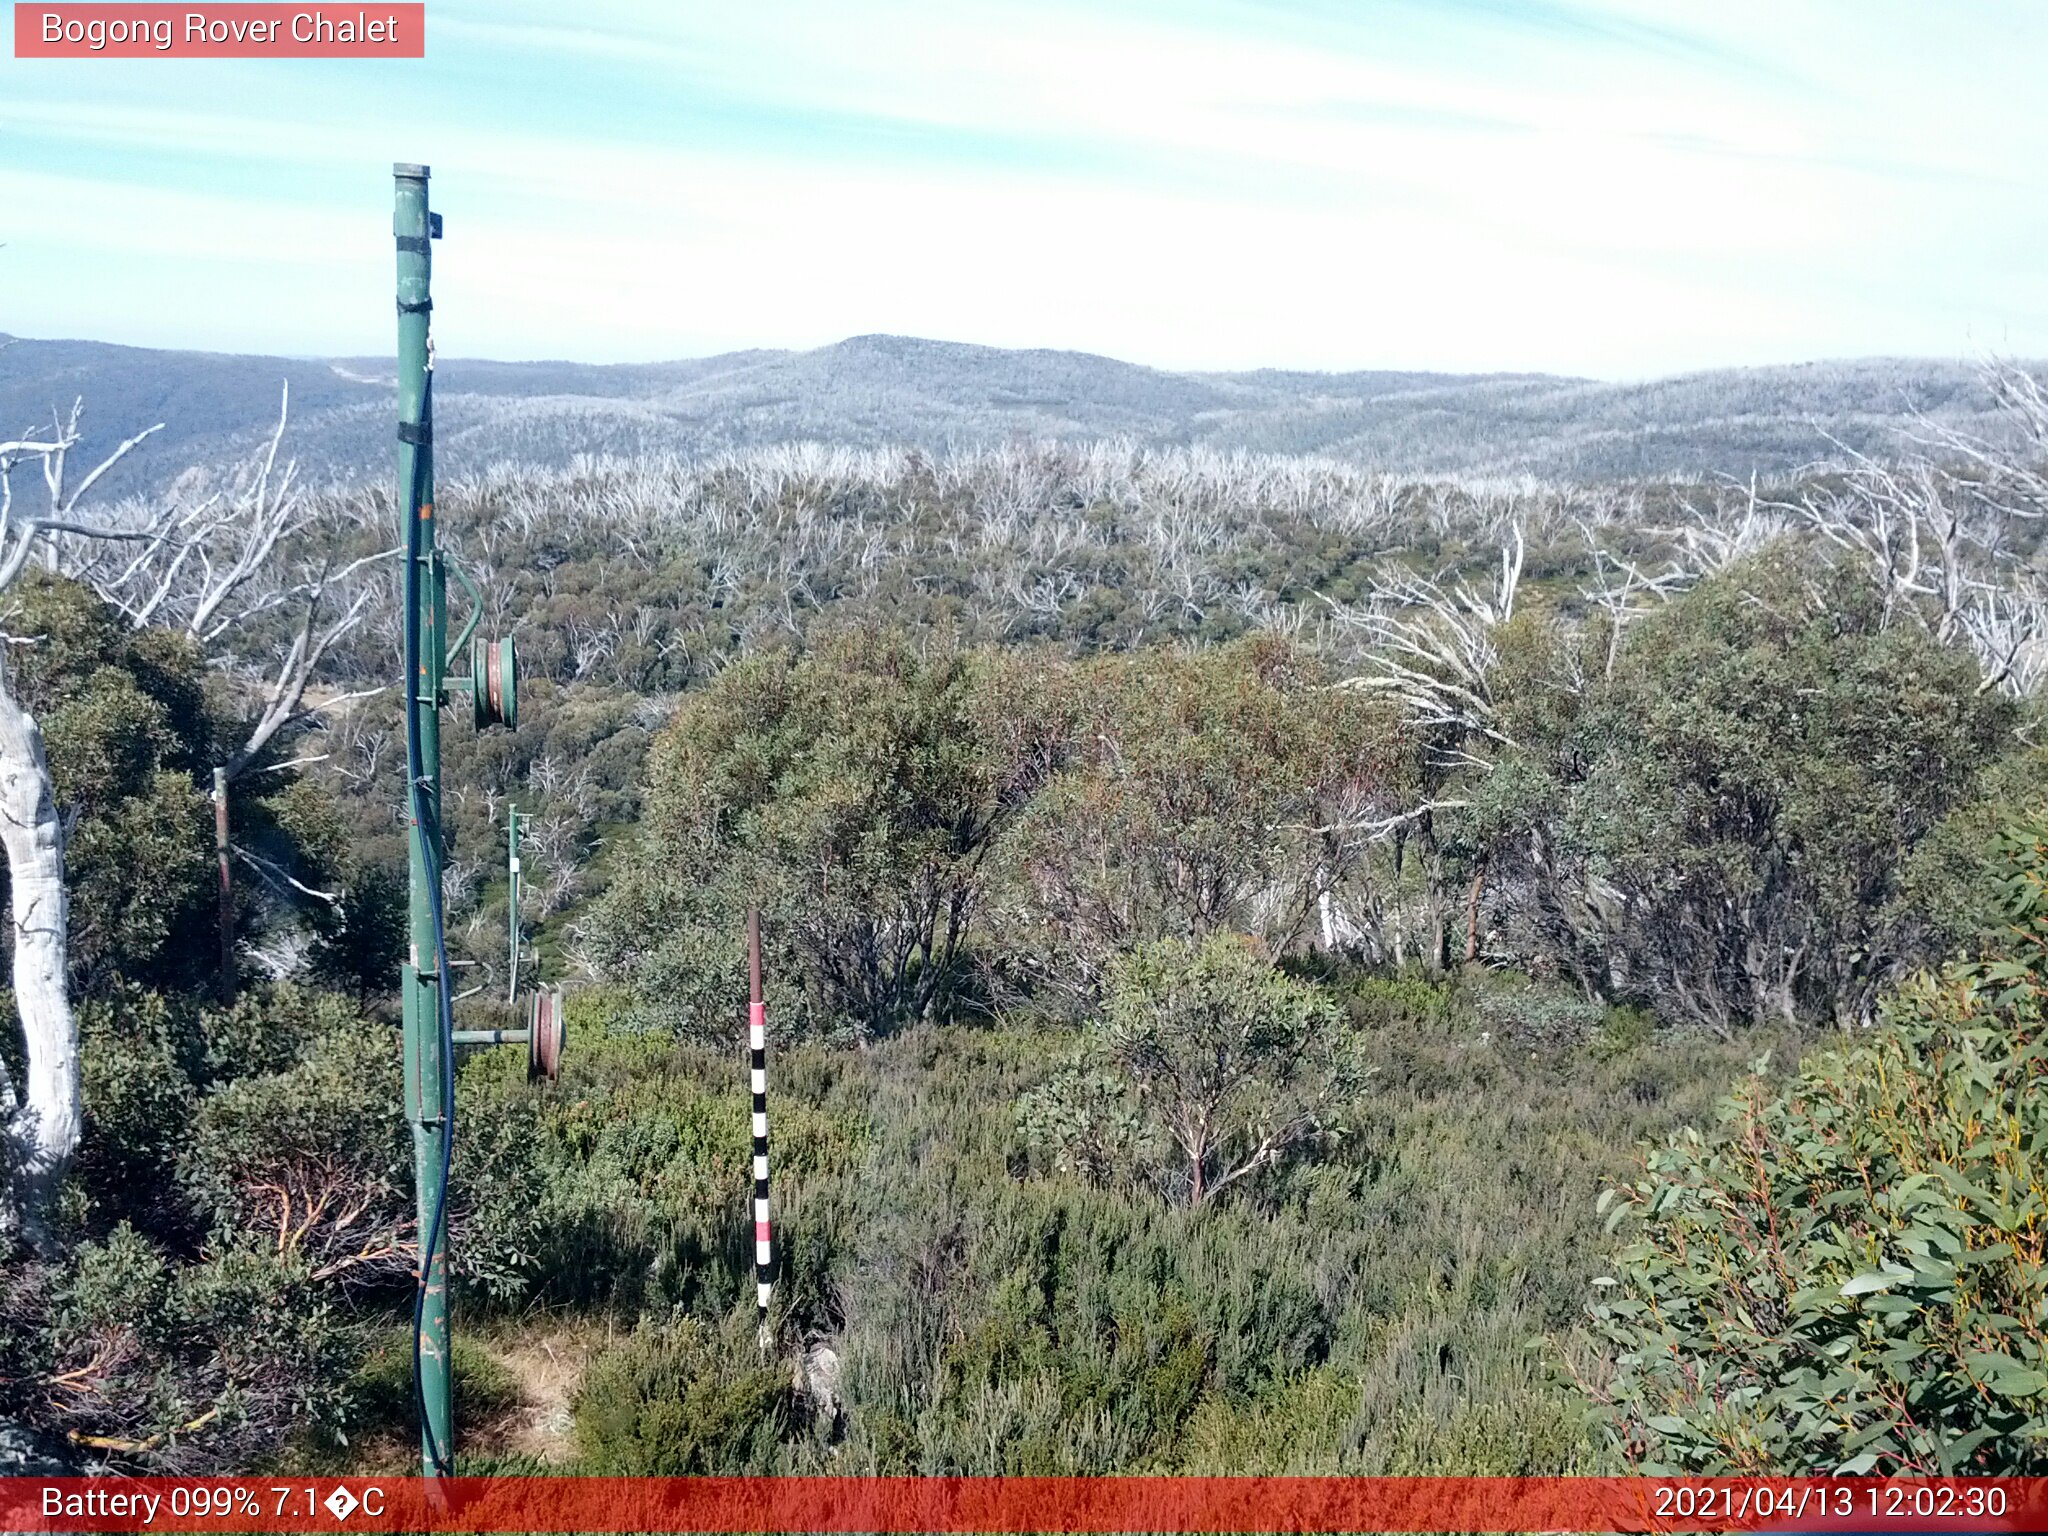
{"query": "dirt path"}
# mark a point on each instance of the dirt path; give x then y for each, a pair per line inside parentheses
(548, 1368)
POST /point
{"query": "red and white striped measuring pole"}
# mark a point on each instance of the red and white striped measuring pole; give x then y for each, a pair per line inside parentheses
(757, 1063)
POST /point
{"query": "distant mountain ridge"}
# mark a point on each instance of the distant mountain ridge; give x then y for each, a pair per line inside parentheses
(876, 390)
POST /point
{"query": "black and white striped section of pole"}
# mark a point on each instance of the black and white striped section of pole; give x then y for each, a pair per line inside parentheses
(757, 1071)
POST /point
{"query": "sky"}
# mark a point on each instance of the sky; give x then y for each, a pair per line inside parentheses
(1614, 188)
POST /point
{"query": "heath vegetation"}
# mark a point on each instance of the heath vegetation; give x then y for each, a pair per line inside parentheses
(1272, 967)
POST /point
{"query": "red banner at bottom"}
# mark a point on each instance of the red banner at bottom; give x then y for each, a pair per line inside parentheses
(1019, 1504)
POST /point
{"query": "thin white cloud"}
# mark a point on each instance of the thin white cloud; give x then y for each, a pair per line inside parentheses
(1575, 187)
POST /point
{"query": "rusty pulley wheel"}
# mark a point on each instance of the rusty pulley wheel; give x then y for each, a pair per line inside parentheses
(494, 681)
(545, 1030)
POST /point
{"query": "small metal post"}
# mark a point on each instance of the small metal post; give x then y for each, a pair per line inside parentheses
(513, 873)
(227, 888)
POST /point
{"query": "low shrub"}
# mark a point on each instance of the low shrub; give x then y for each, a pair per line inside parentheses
(1401, 999)
(188, 1367)
(681, 1401)
(1538, 1014)
(382, 1398)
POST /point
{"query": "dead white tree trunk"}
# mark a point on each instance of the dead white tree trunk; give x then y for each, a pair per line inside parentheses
(42, 1121)
(43, 1127)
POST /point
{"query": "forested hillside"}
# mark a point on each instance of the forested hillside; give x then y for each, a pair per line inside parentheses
(895, 391)
(1272, 966)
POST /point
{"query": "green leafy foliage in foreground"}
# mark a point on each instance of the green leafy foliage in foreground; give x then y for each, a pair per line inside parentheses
(1761, 802)
(1750, 780)
(934, 833)
(133, 724)
(952, 1300)
(1132, 1111)
(851, 794)
(1847, 1274)
(239, 1192)
(1205, 1050)
(678, 1402)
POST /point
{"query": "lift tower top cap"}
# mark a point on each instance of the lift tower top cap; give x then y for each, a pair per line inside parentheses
(412, 172)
